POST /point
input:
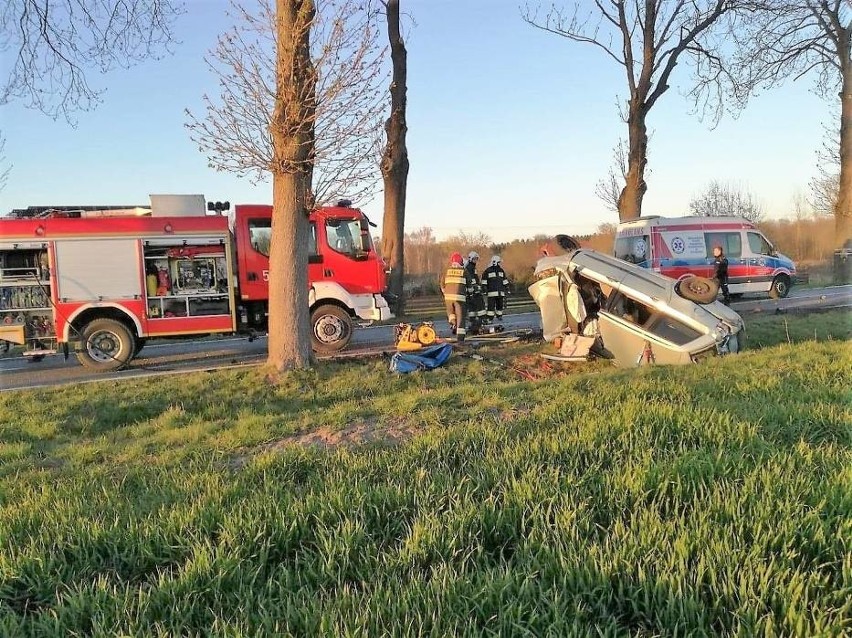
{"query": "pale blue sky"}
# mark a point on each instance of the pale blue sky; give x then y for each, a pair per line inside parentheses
(509, 130)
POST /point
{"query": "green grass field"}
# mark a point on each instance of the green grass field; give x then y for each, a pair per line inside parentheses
(713, 499)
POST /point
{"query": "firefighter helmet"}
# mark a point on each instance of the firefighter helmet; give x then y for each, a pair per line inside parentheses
(496, 259)
(473, 255)
(455, 258)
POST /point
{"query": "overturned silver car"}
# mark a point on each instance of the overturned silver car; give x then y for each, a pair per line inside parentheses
(632, 314)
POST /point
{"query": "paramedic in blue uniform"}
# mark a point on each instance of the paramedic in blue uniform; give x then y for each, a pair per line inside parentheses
(496, 286)
(720, 273)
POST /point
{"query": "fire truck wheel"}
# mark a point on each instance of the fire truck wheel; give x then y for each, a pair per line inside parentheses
(331, 329)
(105, 344)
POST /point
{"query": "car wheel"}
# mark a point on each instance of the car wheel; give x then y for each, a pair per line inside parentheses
(105, 344)
(698, 289)
(780, 287)
(331, 329)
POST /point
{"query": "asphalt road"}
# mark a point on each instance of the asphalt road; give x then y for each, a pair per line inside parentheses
(176, 357)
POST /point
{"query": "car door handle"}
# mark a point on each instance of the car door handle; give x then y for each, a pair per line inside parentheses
(327, 272)
(251, 276)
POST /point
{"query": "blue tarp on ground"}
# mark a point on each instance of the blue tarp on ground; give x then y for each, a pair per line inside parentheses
(426, 359)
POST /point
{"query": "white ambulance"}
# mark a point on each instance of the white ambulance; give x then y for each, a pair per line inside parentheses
(678, 246)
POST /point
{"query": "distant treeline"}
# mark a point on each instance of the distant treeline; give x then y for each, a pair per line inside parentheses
(809, 241)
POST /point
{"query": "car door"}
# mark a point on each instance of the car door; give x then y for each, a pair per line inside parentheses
(628, 325)
(345, 254)
(623, 339)
(731, 242)
(761, 263)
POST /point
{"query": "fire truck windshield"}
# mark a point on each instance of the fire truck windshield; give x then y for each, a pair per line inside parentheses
(348, 236)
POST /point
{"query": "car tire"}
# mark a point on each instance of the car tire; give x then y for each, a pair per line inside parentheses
(331, 329)
(780, 287)
(105, 345)
(698, 289)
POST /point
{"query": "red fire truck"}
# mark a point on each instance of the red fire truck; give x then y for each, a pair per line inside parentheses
(104, 280)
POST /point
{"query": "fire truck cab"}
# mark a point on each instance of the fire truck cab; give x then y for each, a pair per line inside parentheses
(346, 276)
(104, 280)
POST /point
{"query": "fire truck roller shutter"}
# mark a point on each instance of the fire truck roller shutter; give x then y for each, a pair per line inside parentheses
(98, 269)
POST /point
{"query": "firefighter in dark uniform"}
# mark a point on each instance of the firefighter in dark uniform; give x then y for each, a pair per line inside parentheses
(496, 286)
(720, 273)
(475, 301)
(456, 288)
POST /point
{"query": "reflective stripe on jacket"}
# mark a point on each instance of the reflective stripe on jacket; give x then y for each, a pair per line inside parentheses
(496, 283)
(455, 284)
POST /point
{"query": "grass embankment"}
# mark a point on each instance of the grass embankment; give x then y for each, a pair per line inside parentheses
(702, 500)
(770, 330)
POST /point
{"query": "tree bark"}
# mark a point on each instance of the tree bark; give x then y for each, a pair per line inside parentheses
(395, 162)
(630, 199)
(843, 211)
(292, 130)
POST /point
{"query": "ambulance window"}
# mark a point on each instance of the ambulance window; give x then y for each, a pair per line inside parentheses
(260, 235)
(731, 243)
(633, 249)
(758, 244)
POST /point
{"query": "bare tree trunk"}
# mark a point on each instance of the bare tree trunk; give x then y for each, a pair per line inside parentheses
(843, 211)
(630, 200)
(395, 161)
(292, 131)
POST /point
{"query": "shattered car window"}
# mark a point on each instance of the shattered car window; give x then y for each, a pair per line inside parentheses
(672, 330)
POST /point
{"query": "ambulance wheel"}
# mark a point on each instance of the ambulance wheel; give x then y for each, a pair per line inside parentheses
(780, 287)
(331, 329)
(698, 289)
(105, 345)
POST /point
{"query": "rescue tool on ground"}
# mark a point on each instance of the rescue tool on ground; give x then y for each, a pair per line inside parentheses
(102, 280)
(414, 337)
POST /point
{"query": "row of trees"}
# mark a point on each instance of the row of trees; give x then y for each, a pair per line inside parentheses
(735, 48)
(806, 237)
(301, 100)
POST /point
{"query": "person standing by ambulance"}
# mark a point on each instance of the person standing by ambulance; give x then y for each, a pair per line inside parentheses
(720, 272)
(496, 286)
(456, 289)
